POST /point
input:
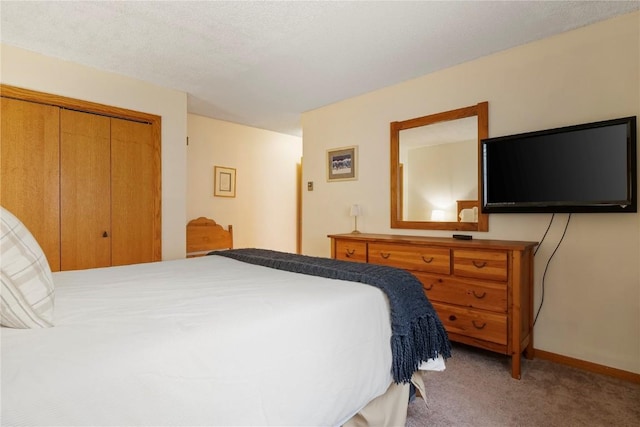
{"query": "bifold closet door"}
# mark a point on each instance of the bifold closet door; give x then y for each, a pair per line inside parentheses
(29, 171)
(134, 174)
(85, 194)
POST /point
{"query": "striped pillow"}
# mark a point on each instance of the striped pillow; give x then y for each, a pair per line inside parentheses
(26, 296)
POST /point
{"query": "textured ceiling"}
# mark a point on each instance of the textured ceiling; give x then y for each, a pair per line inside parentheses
(263, 63)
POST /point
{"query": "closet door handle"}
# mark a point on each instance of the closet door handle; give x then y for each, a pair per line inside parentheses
(105, 234)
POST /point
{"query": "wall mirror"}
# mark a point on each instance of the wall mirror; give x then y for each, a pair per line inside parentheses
(435, 170)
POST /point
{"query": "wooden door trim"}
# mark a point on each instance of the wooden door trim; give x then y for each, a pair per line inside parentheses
(155, 121)
(299, 207)
(9, 91)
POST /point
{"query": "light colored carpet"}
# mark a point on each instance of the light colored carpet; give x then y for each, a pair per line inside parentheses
(477, 390)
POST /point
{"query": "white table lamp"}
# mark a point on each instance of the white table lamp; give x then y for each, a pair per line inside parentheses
(437, 215)
(355, 213)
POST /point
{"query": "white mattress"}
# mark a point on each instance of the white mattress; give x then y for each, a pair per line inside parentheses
(201, 341)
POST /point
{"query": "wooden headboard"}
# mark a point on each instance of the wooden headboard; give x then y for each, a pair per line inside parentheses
(204, 235)
(465, 204)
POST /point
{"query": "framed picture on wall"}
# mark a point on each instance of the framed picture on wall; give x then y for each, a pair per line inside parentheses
(342, 164)
(224, 181)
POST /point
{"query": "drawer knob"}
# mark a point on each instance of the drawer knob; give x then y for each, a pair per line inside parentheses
(480, 296)
(431, 285)
(385, 256)
(350, 252)
(453, 317)
(428, 261)
(478, 327)
(479, 264)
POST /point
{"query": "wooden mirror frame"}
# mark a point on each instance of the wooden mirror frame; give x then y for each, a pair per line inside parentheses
(481, 111)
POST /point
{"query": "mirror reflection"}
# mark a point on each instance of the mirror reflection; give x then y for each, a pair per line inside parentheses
(439, 168)
(435, 168)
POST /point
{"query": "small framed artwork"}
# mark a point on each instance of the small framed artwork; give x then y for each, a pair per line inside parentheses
(224, 182)
(342, 164)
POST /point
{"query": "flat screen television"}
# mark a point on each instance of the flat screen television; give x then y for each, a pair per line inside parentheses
(583, 168)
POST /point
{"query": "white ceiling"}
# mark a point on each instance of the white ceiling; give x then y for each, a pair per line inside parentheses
(263, 63)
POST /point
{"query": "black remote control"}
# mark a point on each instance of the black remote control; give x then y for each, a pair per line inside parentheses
(462, 236)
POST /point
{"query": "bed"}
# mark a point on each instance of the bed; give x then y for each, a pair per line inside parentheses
(205, 235)
(208, 340)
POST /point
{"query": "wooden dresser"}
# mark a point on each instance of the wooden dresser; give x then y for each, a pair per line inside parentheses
(481, 289)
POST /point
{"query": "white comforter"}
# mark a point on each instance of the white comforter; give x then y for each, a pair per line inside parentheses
(201, 341)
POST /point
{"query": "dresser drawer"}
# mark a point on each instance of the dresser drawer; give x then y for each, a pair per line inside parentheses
(482, 295)
(351, 251)
(416, 258)
(489, 265)
(477, 324)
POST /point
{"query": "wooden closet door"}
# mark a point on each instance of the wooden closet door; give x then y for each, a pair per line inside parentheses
(29, 171)
(85, 163)
(134, 192)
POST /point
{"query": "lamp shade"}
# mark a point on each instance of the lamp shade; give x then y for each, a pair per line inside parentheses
(355, 210)
(437, 215)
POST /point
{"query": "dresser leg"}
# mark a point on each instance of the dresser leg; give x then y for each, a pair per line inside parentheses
(515, 366)
(528, 351)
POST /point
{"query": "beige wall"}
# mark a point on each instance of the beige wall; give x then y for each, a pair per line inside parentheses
(33, 71)
(591, 305)
(263, 213)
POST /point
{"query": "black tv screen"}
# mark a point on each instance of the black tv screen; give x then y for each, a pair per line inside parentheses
(583, 168)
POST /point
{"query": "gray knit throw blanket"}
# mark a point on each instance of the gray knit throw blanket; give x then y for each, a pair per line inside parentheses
(417, 333)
